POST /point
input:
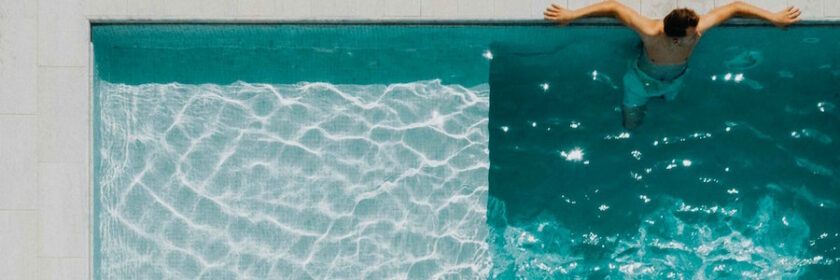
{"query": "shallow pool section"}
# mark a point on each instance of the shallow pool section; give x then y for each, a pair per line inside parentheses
(290, 152)
(305, 180)
(738, 178)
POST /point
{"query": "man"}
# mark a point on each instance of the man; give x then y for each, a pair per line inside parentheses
(667, 45)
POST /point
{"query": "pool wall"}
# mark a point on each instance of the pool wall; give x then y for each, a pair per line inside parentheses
(45, 100)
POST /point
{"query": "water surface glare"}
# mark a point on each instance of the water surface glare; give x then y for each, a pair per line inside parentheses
(737, 178)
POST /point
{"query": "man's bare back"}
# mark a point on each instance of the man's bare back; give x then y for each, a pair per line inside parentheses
(661, 48)
(668, 43)
(664, 51)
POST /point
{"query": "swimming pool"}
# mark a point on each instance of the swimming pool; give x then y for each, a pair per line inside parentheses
(458, 151)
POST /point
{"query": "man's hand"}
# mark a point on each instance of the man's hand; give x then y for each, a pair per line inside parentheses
(642, 25)
(786, 17)
(559, 14)
(720, 14)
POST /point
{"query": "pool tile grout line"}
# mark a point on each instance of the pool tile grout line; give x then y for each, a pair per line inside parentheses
(19, 114)
(61, 66)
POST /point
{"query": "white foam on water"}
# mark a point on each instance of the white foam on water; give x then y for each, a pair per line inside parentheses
(311, 180)
(672, 242)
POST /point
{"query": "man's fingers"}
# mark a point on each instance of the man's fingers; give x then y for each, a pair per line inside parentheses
(789, 8)
(547, 13)
(556, 6)
(796, 14)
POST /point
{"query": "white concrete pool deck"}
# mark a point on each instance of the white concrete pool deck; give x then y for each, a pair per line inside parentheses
(45, 111)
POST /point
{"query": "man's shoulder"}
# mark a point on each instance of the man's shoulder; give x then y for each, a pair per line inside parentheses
(653, 29)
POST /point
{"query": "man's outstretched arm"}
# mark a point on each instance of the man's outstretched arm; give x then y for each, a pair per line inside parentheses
(720, 14)
(631, 18)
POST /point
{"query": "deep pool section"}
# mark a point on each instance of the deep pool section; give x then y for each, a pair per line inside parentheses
(738, 178)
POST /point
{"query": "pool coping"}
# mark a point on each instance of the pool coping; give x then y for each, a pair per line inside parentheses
(735, 22)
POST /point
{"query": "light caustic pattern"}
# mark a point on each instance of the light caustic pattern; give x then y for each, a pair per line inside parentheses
(310, 180)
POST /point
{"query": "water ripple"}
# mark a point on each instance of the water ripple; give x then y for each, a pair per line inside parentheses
(676, 241)
(312, 180)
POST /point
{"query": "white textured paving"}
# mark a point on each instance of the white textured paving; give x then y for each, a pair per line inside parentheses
(44, 107)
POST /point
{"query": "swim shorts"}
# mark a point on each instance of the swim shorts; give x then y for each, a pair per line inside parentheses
(639, 86)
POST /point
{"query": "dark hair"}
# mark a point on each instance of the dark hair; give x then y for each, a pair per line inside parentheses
(678, 20)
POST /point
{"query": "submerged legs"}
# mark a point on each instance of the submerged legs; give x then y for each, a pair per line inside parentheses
(632, 116)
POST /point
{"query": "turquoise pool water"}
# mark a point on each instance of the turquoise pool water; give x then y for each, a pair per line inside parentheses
(291, 152)
(735, 179)
(468, 151)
